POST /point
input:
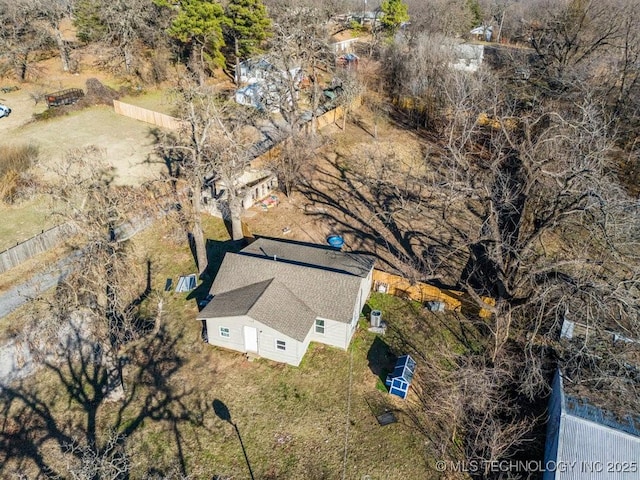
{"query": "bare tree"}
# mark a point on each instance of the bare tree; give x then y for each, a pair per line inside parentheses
(350, 93)
(99, 212)
(298, 47)
(20, 37)
(108, 462)
(449, 18)
(48, 16)
(416, 75)
(293, 160)
(568, 34)
(207, 153)
(131, 27)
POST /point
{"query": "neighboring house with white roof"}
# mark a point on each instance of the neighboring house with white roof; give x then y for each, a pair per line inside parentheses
(256, 70)
(585, 442)
(274, 297)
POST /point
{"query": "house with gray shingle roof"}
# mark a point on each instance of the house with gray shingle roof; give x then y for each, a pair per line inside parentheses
(274, 297)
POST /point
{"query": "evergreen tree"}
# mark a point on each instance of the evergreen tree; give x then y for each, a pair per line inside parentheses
(247, 26)
(394, 14)
(198, 26)
(87, 20)
(476, 13)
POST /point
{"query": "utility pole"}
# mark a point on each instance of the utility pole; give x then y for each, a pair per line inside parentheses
(364, 11)
(501, 22)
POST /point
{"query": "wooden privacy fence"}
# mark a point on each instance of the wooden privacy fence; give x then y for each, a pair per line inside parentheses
(330, 117)
(37, 244)
(333, 115)
(421, 292)
(146, 115)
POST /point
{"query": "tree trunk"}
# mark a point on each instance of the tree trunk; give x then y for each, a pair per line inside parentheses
(315, 101)
(63, 49)
(198, 235)
(21, 63)
(196, 61)
(200, 245)
(502, 327)
(158, 322)
(236, 222)
(236, 74)
(128, 57)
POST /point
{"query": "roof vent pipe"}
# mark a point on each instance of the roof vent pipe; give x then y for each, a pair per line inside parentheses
(275, 257)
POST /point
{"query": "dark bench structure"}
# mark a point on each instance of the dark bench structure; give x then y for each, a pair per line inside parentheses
(64, 97)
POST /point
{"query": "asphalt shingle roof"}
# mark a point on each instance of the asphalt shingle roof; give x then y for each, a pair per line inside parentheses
(235, 303)
(259, 301)
(286, 285)
(315, 256)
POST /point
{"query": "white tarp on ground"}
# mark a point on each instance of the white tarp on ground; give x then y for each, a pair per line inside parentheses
(468, 57)
(186, 283)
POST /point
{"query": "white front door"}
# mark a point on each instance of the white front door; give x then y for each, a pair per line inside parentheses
(250, 339)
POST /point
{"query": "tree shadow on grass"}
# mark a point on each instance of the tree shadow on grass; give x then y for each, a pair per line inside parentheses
(400, 224)
(216, 250)
(92, 401)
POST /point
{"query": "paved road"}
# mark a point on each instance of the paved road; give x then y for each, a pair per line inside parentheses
(39, 283)
(16, 360)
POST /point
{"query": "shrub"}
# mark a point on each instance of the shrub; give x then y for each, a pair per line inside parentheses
(18, 158)
(15, 161)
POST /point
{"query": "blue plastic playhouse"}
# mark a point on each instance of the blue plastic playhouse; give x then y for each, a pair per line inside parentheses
(399, 380)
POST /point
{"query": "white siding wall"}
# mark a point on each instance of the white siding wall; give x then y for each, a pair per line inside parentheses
(266, 339)
(344, 45)
(336, 334)
(365, 289)
(267, 346)
(236, 334)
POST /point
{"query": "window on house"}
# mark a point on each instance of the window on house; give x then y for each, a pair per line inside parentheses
(281, 345)
(320, 326)
(224, 332)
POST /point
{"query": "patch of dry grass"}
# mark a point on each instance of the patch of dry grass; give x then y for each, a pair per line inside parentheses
(17, 158)
(15, 161)
(23, 220)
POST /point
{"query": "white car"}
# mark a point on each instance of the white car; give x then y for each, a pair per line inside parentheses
(4, 111)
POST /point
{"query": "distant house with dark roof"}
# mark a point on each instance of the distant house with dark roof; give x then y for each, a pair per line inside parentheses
(585, 442)
(274, 297)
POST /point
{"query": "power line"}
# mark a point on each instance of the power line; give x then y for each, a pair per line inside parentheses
(346, 431)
